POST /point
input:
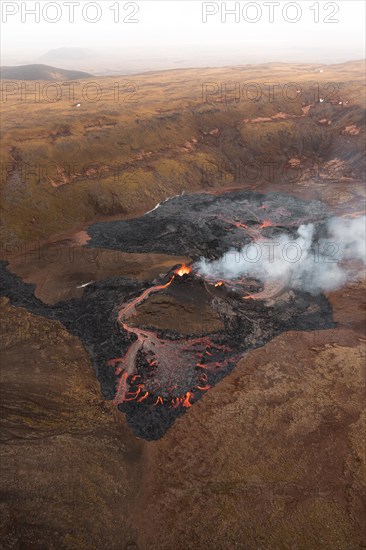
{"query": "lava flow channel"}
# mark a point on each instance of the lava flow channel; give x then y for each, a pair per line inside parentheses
(272, 287)
(181, 367)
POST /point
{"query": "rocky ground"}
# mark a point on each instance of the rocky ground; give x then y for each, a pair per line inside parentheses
(162, 133)
(152, 367)
(272, 457)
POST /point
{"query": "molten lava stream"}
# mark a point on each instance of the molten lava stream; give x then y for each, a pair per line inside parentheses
(171, 358)
(251, 231)
(272, 288)
(354, 214)
(145, 339)
(266, 223)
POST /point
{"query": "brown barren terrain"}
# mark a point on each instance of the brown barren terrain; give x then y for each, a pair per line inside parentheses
(273, 457)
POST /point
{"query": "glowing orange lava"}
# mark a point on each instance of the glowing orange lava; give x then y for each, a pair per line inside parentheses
(354, 214)
(130, 385)
(189, 395)
(240, 225)
(204, 388)
(183, 270)
(266, 223)
(143, 397)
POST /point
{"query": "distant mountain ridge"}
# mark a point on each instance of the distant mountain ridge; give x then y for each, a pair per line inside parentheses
(67, 53)
(40, 72)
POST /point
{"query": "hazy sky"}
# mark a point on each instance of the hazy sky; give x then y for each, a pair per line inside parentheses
(175, 29)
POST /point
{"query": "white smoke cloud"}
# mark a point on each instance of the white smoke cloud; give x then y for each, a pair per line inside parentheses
(299, 262)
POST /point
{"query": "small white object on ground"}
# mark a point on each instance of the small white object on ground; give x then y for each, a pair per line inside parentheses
(85, 284)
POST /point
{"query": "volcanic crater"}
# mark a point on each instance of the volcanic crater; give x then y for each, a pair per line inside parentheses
(158, 345)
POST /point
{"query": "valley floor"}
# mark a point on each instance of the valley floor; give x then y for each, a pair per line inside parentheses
(273, 457)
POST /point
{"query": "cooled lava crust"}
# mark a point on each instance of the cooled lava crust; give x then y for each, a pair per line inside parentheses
(152, 370)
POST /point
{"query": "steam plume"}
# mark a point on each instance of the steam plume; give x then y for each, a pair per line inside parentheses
(299, 262)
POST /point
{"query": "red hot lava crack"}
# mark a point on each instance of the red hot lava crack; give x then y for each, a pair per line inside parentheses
(170, 356)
